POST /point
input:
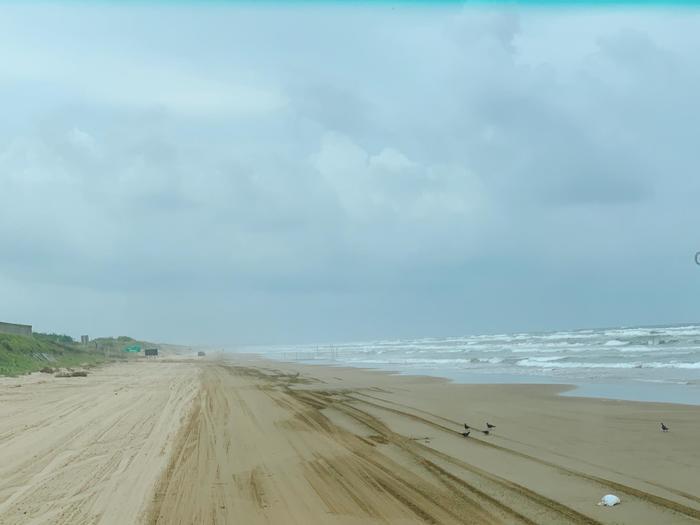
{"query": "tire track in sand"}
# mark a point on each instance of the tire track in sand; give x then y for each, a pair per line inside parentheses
(258, 448)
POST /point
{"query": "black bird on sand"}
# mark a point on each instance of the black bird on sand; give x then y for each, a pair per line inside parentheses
(664, 428)
(489, 425)
(466, 434)
(486, 432)
(466, 427)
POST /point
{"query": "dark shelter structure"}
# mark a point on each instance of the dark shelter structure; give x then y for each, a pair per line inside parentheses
(16, 329)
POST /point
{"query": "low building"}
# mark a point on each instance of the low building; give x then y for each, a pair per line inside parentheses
(16, 329)
(84, 339)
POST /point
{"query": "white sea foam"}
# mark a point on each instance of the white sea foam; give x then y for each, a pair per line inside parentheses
(555, 364)
(544, 359)
(534, 362)
(673, 364)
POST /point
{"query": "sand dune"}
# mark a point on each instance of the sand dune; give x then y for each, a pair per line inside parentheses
(253, 441)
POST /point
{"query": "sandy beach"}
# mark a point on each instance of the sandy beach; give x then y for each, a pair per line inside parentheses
(89, 450)
(246, 440)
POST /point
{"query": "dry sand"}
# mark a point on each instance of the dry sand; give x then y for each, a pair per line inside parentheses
(252, 441)
(89, 449)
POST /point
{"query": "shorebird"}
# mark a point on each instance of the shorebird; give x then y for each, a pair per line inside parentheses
(465, 434)
(664, 428)
(489, 425)
(486, 432)
(466, 427)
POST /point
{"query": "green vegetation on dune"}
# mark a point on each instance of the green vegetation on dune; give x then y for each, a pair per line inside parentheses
(21, 355)
(55, 338)
(114, 346)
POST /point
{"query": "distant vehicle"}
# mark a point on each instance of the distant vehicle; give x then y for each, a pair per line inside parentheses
(201, 354)
(151, 352)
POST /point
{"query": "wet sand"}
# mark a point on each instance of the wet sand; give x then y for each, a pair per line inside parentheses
(250, 441)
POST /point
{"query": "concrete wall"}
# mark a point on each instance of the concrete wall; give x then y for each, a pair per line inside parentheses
(15, 329)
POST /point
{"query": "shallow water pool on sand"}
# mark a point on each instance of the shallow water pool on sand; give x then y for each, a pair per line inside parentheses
(647, 391)
(656, 392)
(626, 390)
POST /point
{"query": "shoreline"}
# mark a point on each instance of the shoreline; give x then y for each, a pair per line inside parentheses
(647, 363)
(633, 391)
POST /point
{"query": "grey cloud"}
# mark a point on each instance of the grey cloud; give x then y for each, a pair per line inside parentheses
(448, 172)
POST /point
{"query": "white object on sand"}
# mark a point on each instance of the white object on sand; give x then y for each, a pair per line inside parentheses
(609, 500)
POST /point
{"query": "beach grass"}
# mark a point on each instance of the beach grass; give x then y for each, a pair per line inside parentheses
(22, 355)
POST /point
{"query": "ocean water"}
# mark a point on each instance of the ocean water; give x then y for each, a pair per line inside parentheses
(660, 363)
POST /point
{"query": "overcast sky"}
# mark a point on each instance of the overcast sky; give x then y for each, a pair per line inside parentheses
(231, 174)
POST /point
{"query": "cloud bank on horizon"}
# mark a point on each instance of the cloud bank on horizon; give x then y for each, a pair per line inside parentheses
(241, 174)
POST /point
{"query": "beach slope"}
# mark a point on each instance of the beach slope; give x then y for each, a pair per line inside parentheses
(245, 440)
(284, 443)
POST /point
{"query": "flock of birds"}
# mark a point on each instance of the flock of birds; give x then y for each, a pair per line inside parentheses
(490, 427)
(468, 429)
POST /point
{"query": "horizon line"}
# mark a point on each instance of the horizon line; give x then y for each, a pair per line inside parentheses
(363, 3)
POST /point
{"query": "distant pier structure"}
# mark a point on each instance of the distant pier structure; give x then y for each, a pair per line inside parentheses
(16, 329)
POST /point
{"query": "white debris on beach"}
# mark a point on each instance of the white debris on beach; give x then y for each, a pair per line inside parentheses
(609, 500)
